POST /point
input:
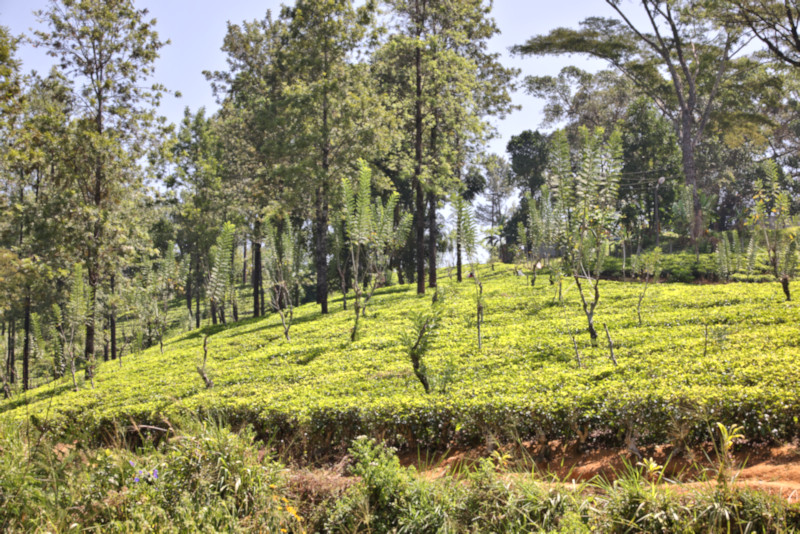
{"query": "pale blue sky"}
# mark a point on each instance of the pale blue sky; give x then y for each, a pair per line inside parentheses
(197, 27)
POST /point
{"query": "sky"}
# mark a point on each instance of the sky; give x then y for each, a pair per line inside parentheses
(196, 29)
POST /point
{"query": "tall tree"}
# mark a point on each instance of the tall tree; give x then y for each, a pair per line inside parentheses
(195, 151)
(333, 106)
(255, 131)
(678, 40)
(443, 80)
(109, 47)
(499, 186)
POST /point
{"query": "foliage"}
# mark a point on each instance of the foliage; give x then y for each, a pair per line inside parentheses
(586, 210)
(770, 216)
(523, 382)
(373, 235)
(207, 478)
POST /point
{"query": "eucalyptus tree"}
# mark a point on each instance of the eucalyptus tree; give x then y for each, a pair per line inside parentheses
(679, 58)
(333, 105)
(443, 83)
(109, 47)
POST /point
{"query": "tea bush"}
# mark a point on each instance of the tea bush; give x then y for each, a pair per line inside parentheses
(703, 353)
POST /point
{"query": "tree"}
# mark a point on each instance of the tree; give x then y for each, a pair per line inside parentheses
(111, 47)
(219, 279)
(372, 236)
(498, 188)
(586, 207)
(10, 80)
(284, 258)
(770, 217)
(528, 152)
(255, 132)
(441, 77)
(581, 98)
(465, 231)
(195, 151)
(336, 114)
(697, 57)
(776, 23)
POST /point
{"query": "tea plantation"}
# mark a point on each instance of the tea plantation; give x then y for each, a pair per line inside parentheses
(703, 354)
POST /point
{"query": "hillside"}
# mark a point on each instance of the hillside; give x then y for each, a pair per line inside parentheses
(703, 353)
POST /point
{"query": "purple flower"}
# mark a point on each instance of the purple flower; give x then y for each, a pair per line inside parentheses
(155, 473)
(131, 462)
(136, 479)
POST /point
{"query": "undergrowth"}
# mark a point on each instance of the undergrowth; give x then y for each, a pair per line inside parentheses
(207, 478)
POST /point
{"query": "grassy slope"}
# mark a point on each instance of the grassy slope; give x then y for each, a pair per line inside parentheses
(320, 390)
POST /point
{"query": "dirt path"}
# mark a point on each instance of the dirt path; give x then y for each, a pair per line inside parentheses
(772, 469)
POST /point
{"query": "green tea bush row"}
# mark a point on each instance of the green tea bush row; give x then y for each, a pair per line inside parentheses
(703, 353)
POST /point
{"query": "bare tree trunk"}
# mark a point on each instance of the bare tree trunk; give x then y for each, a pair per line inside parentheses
(321, 247)
(11, 364)
(88, 352)
(458, 259)
(26, 345)
(213, 312)
(419, 206)
(244, 261)
(690, 171)
(112, 319)
(197, 308)
(431, 240)
(257, 306)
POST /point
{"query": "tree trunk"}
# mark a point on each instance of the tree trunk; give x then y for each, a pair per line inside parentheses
(690, 172)
(197, 307)
(431, 240)
(189, 287)
(244, 261)
(112, 320)
(88, 350)
(458, 259)
(321, 247)
(26, 346)
(256, 269)
(785, 286)
(213, 312)
(419, 207)
(11, 364)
